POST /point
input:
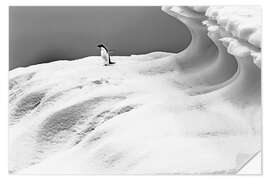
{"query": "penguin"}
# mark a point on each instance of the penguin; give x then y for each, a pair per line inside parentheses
(105, 55)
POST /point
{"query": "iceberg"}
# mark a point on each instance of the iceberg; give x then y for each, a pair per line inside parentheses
(193, 112)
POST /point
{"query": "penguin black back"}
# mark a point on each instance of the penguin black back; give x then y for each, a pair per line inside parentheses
(102, 46)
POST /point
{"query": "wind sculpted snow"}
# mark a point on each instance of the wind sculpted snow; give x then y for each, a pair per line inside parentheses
(194, 112)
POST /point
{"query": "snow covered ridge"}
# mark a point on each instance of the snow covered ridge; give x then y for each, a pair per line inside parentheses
(80, 117)
(238, 27)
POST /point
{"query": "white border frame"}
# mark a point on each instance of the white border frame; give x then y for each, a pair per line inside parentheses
(4, 76)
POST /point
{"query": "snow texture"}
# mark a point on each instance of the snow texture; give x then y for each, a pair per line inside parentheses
(239, 27)
(194, 112)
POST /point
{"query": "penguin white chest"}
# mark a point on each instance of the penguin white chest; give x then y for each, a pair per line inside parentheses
(104, 54)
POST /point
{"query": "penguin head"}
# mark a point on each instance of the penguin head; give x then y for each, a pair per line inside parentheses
(100, 46)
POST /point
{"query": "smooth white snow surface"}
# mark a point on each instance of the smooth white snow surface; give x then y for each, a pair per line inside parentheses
(194, 112)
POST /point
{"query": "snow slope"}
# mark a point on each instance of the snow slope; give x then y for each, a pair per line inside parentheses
(194, 112)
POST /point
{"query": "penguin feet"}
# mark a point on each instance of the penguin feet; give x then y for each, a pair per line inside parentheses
(110, 63)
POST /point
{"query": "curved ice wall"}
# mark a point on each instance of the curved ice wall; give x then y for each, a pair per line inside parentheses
(224, 56)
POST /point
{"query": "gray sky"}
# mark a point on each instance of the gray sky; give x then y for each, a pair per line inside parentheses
(44, 34)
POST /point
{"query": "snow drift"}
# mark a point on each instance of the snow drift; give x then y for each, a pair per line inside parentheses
(194, 112)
